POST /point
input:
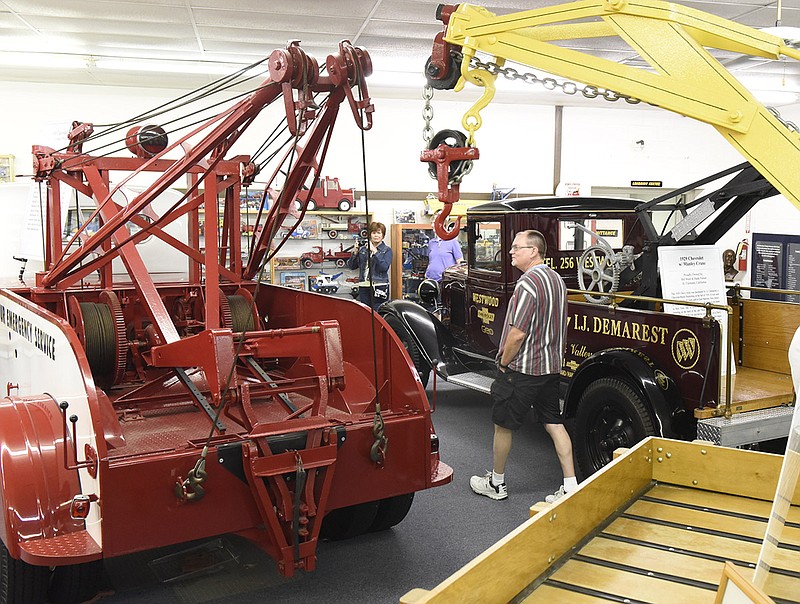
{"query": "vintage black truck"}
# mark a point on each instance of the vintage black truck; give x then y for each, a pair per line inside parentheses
(630, 368)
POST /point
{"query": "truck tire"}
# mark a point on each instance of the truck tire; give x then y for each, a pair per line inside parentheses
(333, 234)
(307, 263)
(340, 263)
(344, 205)
(391, 511)
(76, 583)
(312, 205)
(423, 369)
(349, 522)
(21, 582)
(610, 415)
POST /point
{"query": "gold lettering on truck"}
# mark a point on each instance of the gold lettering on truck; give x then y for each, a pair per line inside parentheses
(485, 315)
(485, 299)
(618, 328)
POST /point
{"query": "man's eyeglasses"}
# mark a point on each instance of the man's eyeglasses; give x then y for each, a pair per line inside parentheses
(514, 248)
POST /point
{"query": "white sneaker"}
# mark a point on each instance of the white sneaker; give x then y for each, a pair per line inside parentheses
(482, 485)
(556, 496)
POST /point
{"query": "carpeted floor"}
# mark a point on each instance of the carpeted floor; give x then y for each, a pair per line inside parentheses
(445, 528)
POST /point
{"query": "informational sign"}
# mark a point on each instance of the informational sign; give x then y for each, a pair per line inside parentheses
(695, 274)
(775, 265)
(647, 183)
(793, 271)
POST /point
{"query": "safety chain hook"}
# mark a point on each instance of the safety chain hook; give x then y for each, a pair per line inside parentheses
(191, 489)
(378, 451)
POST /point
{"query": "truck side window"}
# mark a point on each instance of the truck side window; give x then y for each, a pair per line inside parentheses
(485, 242)
(575, 239)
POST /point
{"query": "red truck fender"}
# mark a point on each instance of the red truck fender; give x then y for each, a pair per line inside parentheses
(35, 488)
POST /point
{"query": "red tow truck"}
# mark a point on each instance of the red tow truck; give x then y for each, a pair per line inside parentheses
(327, 194)
(317, 256)
(146, 409)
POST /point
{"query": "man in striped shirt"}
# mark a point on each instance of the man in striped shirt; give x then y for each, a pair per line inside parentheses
(529, 362)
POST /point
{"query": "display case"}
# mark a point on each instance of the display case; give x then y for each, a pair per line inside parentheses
(410, 258)
(314, 258)
(408, 267)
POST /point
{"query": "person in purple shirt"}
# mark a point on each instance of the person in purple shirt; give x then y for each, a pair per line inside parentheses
(441, 255)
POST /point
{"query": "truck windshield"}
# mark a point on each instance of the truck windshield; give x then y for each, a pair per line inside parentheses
(485, 242)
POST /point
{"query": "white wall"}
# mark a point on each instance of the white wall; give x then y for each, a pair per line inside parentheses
(516, 144)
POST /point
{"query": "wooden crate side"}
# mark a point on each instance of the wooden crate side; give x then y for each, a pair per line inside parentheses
(528, 551)
(721, 469)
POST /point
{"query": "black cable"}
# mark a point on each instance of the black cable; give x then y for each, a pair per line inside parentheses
(213, 88)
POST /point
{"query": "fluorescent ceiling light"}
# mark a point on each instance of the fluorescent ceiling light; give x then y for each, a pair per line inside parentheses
(789, 34)
(776, 97)
(396, 79)
(33, 59)
(163, 66)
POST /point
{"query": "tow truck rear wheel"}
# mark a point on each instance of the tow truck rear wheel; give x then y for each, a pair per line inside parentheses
(76, 583)
(391, 511)
(349, 522)
(423, 369)
(21, 582)
(610, 415)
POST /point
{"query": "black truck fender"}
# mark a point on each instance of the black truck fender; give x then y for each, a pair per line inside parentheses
(659, 391)
(426, 331)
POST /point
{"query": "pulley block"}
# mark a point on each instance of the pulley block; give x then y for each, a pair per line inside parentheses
(146, 141)
(458, 168)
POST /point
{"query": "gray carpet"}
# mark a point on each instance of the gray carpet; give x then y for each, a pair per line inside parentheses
(445, 528)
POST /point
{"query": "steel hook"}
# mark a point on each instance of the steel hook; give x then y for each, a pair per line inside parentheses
(439, 226)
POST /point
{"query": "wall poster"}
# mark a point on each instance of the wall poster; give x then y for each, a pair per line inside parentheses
(775, 265)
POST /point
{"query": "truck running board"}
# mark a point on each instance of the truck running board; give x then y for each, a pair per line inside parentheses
(746, 428)
(474, 381)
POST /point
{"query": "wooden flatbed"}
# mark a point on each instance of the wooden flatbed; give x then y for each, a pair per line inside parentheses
(656, 525)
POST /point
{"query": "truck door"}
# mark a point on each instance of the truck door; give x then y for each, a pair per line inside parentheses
(486, 295)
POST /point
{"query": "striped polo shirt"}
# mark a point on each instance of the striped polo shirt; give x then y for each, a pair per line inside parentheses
(539, 308)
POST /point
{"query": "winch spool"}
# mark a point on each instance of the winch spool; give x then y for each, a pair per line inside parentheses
(100, 327)
(238, 311)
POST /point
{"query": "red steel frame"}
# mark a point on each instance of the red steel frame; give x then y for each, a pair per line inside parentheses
(312, 375)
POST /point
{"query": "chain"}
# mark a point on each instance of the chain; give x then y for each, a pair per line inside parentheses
(427, 113)
(791, 126)
(567, 87)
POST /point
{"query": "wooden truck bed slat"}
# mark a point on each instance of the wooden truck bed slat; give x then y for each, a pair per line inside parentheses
(655, 525)
(751, 385)
(633, 585)
(670, 545)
